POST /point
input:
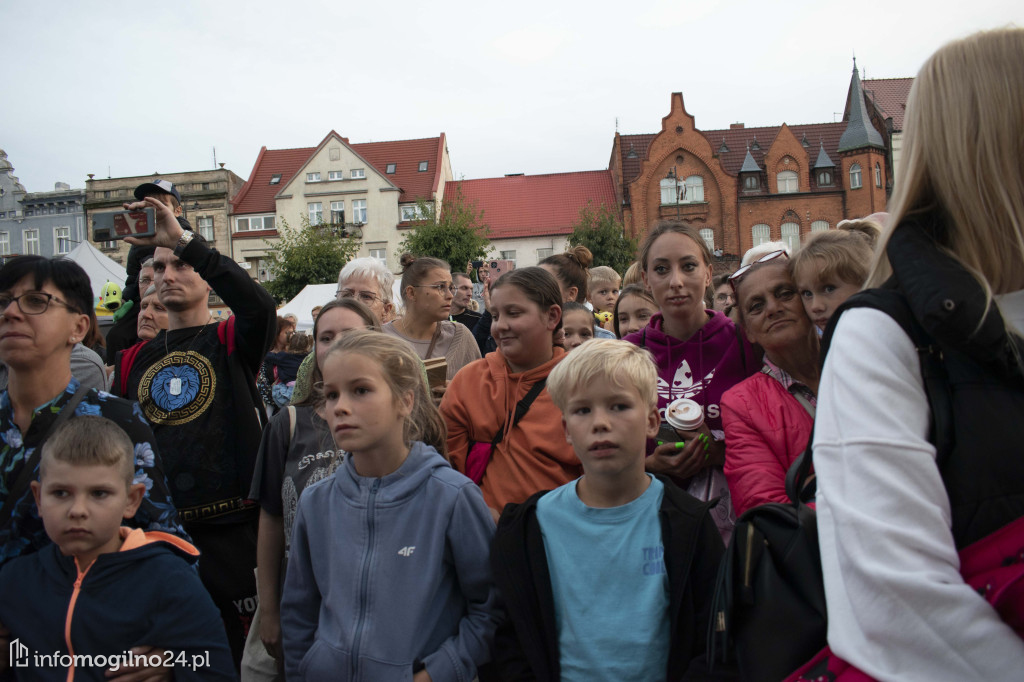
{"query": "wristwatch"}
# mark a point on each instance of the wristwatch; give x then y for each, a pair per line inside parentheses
(184, 240)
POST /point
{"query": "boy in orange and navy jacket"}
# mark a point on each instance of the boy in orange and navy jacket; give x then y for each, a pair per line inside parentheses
(100, 588)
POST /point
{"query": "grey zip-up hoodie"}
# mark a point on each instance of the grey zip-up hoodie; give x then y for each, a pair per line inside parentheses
(390, 574)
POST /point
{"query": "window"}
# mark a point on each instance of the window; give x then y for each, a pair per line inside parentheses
(336, 175)
(708, 235)
(669, 191)
(5, 243)
(316, 213)
(751, 182)
(206, 228)
(30, 241)
(791, 236)
(29, 211)
(380, 254)
(205, 186)
(824, 178)
(855, 182)
(760, 233)
(544, 253)
(509, 255)
(878, 175)
(62, 240)
(108, 246)
(275, 178)
(819, 226)
(106, 194)
(391, 168)
(2, 214)
(254, 223)
(694, 189)
(358, 173)
(61, 209)
(788, 182)
(338, 212)
(359, 211)
(423, 166)
(312, 177)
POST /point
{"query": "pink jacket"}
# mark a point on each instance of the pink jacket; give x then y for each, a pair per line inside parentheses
(766, 429)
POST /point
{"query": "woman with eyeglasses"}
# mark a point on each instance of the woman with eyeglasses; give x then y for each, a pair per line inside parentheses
(368, 280)
(427, 294)
(699, 353)
(768, 417)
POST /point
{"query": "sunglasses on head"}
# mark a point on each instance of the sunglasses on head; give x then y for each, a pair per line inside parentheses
(735, 277)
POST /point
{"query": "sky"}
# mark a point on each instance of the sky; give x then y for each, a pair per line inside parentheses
(119, 88)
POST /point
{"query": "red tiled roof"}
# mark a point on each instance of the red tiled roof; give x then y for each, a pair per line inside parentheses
(535, 205)
(257, 194)
(890, 96)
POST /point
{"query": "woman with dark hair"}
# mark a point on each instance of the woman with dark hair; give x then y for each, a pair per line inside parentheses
(481, 400)
(44, 313)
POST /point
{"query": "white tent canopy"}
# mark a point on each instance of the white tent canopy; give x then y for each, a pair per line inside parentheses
(304, 302)
(99, 268)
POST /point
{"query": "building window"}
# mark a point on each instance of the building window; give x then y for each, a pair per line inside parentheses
(544, 253)
(509, 255)
(751, 182)
(5, 243)
(359, 211)
(275, 178)
(791, 236)
(788, 182)
(824, 178)
(29, 212)
(108, 246)
(312, 177)
(338, 212)
(391, 168)
(423, 166)
(708, 235)
(206, 228)
(358, 173)
(106, 194)
(669, 192)
(62, 240)
(316, 213)
(855, 182)
(2, 214)
(760, 233)
(254, 223)
(878, 175)
(819, 226)
(30, 240)
(336, 175)
(61, 209)
(205, 186)
(380, 254)
(694, 189)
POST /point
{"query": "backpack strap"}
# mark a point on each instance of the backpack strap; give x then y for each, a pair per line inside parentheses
(127, 360)
(226, 334)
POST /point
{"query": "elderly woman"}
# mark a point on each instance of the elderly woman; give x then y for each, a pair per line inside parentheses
(44, 312)
(768, 417)
(152, 315)
(371, 282)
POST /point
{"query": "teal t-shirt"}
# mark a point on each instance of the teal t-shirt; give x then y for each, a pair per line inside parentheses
(609, 583)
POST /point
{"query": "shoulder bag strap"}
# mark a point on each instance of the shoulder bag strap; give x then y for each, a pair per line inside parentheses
(521, 409)
(433, 340)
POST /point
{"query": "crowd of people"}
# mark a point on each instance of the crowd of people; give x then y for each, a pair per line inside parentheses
(542, 489)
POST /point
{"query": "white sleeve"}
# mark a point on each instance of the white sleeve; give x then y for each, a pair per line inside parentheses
(897, 606)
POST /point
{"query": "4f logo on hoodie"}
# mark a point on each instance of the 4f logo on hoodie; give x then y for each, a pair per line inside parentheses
(407, 551)
(682, 384)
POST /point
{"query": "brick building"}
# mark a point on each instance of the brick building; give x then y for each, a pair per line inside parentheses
(743, 186)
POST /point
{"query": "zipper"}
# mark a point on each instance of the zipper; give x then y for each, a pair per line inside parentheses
(71, 609)
(749, 558)
(364, 577)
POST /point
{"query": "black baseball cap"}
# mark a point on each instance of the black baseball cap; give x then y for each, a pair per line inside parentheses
(156, 187)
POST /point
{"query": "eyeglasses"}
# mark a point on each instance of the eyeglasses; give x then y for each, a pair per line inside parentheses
(366, 297)
(31, 302)
(439, 287)
(735, 277)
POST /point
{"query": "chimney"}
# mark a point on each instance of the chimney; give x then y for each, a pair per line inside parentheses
(735, 126)
(61, 187)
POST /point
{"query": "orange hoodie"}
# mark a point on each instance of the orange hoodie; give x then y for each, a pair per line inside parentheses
(534, 455)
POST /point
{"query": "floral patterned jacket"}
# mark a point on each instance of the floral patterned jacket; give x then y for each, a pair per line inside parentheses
(25, 533)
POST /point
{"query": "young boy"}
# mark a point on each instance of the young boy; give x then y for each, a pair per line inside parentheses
(100, 588)
(608, 577)
(604, 291)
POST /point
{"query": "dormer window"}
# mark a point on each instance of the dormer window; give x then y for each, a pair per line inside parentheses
(751, 182)
(275, 178)
(423, 166)
(824, 178)
(788, 182)
(391, 168)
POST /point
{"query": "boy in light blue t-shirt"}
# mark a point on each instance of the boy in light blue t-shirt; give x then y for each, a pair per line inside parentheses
(608, 577)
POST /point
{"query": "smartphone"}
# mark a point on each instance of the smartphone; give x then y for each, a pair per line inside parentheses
(497, 268)
(120, 224)
(477, 264)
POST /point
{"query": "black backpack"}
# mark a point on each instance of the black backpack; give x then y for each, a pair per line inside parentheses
(768, 611)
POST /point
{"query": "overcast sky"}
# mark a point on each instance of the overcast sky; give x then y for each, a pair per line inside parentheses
(518, 87)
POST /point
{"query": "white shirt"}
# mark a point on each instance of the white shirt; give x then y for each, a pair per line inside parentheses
(897, 606)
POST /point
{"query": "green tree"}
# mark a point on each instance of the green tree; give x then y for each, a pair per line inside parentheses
(601, 231)
(457, 235)
(312, 254)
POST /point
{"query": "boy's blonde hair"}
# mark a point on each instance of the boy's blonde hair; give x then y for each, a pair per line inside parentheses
(632, 275)
(603, 274)
(842, 254)
(90, 441)
(597, 361)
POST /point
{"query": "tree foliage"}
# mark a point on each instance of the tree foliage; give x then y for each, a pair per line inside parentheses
(312, 254)
(457, 235)
(601, 231)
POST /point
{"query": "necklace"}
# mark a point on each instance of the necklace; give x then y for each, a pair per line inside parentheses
(175, 384)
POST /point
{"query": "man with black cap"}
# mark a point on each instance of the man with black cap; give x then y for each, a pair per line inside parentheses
(122, 334)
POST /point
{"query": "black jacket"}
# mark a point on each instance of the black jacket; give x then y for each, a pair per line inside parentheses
(526, 646)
